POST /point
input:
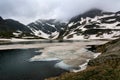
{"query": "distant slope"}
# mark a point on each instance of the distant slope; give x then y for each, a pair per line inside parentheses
(15, 25)
(94, 24)
(49, 29)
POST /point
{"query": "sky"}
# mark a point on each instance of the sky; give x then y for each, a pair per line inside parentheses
(27, 11)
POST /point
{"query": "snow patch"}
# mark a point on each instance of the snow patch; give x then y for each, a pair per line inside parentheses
(64, 66)
(71, 24)
(39, 33)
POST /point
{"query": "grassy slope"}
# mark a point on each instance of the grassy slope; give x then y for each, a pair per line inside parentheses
(105, 67)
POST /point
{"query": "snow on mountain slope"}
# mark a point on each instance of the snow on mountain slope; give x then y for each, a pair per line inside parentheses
(48, 29)
(94, 24)
(12, 28)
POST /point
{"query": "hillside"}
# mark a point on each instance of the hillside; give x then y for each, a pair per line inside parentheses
(94, 24)
(48, 29)
(11, 28)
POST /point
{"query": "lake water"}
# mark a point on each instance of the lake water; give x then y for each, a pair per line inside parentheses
(15, 65)
(27, 60)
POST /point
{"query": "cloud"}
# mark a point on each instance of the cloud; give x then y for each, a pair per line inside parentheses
(27, 11)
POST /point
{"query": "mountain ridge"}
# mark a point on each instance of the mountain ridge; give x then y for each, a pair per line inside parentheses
(11, 28)
(96, 25)
(93, 24)
(50, 29)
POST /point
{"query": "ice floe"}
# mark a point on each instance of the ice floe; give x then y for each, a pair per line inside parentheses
(73, 56)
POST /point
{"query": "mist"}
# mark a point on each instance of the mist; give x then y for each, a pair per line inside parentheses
(27, 11)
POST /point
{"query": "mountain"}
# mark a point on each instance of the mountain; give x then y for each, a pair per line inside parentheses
(48, 29)
(11, 28)
(94, 24)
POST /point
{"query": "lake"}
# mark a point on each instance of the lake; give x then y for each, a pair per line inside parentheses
(37, 60)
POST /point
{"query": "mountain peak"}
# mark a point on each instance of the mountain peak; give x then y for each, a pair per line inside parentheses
(1, 18)
(94, 10)
(90, 13)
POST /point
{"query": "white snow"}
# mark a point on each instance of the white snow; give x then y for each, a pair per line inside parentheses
(51, 25)
(113, 35)
(62, 28)
(71, 24)
(55, 35)
(64, 66)
(105, 16)
(96, 55)
(82, 20)
(82, 66)
(109, 26)
(17, 33)
(95, 18)
(39, 33)
(111, 20)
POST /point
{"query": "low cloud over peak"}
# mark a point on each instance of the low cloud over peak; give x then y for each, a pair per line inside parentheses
(27, 11)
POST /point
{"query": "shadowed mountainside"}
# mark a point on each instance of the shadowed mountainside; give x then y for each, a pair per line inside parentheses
(11, 28)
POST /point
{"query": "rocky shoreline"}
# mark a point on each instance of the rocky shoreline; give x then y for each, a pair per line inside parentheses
(104, 67)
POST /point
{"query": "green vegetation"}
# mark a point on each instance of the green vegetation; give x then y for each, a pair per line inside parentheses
(6, 35)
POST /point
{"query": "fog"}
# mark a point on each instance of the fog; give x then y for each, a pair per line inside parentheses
(27, 11)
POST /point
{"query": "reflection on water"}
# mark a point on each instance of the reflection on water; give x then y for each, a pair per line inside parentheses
(15, 65)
